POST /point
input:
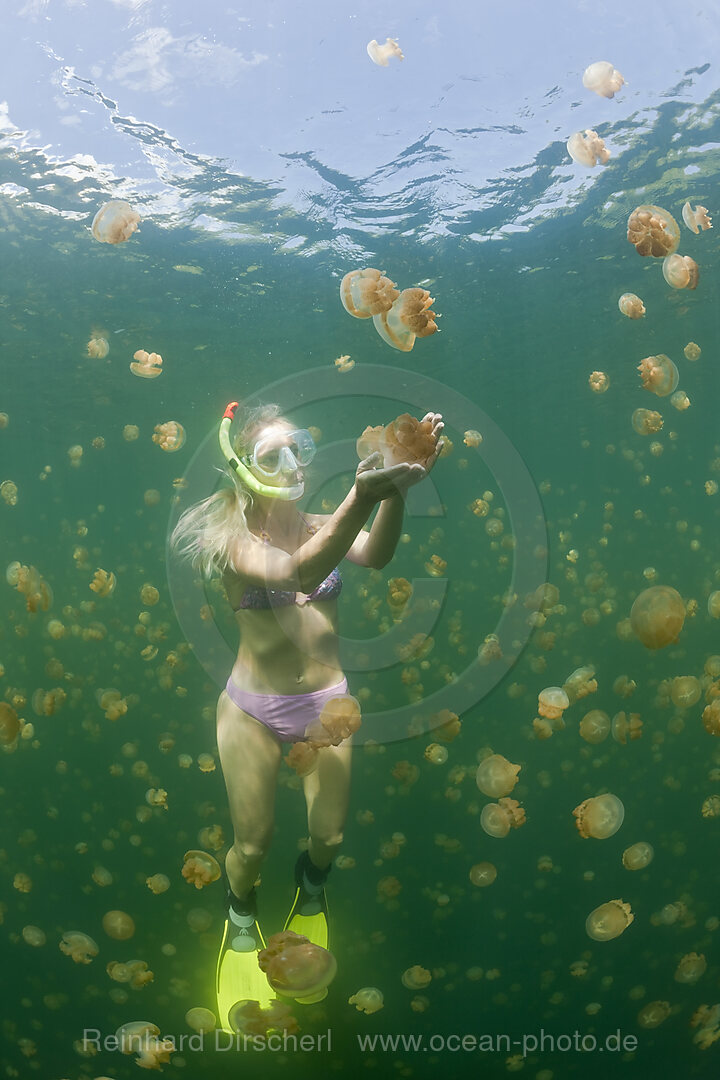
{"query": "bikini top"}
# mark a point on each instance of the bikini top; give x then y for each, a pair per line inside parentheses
(257, 596)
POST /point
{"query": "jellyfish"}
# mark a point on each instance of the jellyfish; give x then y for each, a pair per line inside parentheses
(9, 492)
(602, 78)
(131, 432)
(653, 231)
(646, 421)
(658, 374)
(416, 978)
(200, 869)
(498, 818)
(587, 149)
(295, 967)
(483, 874)
(496, 776)
(118, 925)
(408, 318)
(595, 726)
(302, 758)
(250, 1018)
(626, 727)
(638, 856)
(103, 583)
(600, 817)
(581, 683)
(158, 883)
(98, 347)
(653, 1014)
(710, 718)
(609, 920)
(685, 691)
(169, 436)
(141, 1038)
(552, 702)
(156, 797)
(711, 807)
(368, 1000)
(146, 365)
(681, 271)
(365, 293)
(115, 222)
(339, 719)
(696, 219)
(631, 305)
(9, 725)
(34, 936)
(382, 54)
(202, 1020)
(435, 754)
(79, 946)
(599, 382)
(399, 592)
(149, 595)
(691, 968)
(657, 616)
(344, 364)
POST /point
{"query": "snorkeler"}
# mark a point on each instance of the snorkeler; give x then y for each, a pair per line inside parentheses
(272, 556)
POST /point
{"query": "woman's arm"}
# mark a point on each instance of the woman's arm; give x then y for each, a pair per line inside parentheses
(377, 547)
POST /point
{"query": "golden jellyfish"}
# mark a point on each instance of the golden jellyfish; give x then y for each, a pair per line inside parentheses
(103, 583)
(101, 876)
(339, 719)
(435, 754)
(626, 726)
(653, 231)
(118, 925)
(711, 807)
(131, 432)
(472, 438)
(344, 364)
(302, 758)
(710, 718)
(9, 724)
(250, 1018)
(296, 968)
(659, 374)
(692, 351)
(552, 702)
(599, 382)
(383, 54)
(595, 726)
(657, 616)
(156, 797)
(4, 420)
(22, 882)
(483, 874)
(80, 947)
(631, 305)
(496, 776)
(691, 968)
(408, 318)
(609, 920)
(146, 365)
(685, 691)
(653, 1014)
(368, 1000)
(696, 219)
(404, 439)
(202, 1020)
(602, 78)
(681, 272)
(33, 935)
(200, 869)
(587, 149)
(680, 401)
(98, 347)
(9, 492)
(206, 763)
(416, 978)
(158, 883)
(600, 817)
(498, 818)
(580, 684)
(638, 856)
(436, 566)
(149, 595)
(115, 222)
(141, 1038)
(365, 293)
(646, 421)
(169, 436)
(399, 592)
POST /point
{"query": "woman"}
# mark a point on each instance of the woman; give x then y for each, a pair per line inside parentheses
(279, 569)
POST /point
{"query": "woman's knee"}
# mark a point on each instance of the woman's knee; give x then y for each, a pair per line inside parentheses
(255, 848)
(332, 841)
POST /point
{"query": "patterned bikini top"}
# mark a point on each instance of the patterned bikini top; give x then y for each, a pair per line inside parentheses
(257, 596)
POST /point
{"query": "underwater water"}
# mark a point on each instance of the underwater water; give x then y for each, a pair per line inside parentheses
(258, 188)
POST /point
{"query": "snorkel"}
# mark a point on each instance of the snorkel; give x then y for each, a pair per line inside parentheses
(242, 470)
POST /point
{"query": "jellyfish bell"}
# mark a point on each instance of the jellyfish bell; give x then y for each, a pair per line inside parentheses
(382, 54)
(496, 819)
(416, 978)
(368, 1000)
(659, 375)
(609, 920)
(483, 874)
(296, 968)
(631, 305)
(552, 702)
(496, 776)
(250, 1018)
(587, 149)
(407, 319)
(653, 231)
(691, 967)
(365, 293)
(657, 616)
(600, 817)
(646, 421)
(602, 78)
(200, 868)
(146, 365)
(638, 856)
(595, 726)
(115, 222)
(118, 925)
(681, 271)
(696, 219)
(199, 1019)
(79, 946)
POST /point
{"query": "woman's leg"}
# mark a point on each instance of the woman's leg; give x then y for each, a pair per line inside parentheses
(250, 757)
(327, 794)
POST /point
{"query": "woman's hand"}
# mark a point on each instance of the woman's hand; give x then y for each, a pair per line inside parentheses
(377, 483)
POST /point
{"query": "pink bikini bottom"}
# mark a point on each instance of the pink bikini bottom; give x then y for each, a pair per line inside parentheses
(287, 715)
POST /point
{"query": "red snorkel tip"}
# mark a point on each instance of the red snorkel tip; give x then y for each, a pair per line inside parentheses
(229, 413)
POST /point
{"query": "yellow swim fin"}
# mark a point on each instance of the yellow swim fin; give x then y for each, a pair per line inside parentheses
(238, 976)
(309, 916)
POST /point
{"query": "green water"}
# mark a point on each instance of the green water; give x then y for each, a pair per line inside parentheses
(525, 319)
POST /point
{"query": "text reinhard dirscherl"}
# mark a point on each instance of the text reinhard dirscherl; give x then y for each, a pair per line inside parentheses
(215, 1040)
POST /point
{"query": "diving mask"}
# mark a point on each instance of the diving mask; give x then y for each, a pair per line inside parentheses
(270, 457)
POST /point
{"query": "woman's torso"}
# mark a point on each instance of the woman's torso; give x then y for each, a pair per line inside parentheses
(286, 648)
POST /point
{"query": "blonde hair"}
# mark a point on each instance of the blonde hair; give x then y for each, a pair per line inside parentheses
(207, 532)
